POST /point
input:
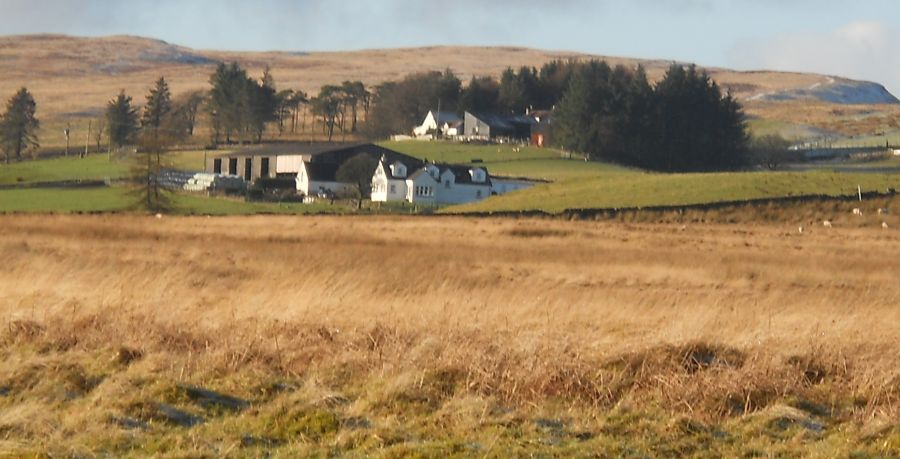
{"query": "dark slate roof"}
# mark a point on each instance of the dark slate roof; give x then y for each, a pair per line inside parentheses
(460, 173)
(322, 172)
(462, 176)
(390, 173)
(290, 149)
(445, 117)
(504, 121)
(494, 121)
(417, 173)
(324, 152)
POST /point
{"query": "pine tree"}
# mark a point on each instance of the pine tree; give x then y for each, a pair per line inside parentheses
(262, 104)
(480, 96)
(122, 120)
(159, 105)
(698, 127)
(18, 126)
(354, 94)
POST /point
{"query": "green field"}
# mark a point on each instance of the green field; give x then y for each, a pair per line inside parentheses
(120, 199)
(447, 152)
(570, 183)
(91, 167)
(647, 190)
(577, 184)
(64, 200)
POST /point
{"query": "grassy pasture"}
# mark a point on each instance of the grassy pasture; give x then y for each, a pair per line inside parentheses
(458, 153)
(59, 200)
(91, 167)
(121, 199)
(573, 183)
(647, 190)
(576, 184)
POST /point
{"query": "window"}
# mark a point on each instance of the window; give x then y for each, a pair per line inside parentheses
(217, 165)
(478, 194)
(232, 166)
(447, 184)
(264, 167)
(393, 189)
(424, 191)
(248, 169)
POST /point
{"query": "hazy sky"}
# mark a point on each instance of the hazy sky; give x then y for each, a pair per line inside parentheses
(854, 38)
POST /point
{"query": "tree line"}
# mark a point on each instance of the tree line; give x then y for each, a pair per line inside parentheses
(682, 123)
(400, 104)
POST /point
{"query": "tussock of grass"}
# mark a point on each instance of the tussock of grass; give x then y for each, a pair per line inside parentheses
(626, 339)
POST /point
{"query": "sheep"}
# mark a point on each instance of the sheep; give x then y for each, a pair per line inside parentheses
(827, 224)
(857, 211)
(158, 215)
(800, 229)
(884, 225)
(883, 211)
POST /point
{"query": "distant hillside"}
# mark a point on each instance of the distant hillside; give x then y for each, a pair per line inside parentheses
(72, 78)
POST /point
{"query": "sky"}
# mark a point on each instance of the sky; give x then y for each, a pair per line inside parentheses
(853, 38)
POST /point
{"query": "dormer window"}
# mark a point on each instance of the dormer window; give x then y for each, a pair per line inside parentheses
(433, 171)
(398, 169)
(478, 175)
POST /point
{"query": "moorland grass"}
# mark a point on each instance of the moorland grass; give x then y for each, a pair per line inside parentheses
(398, 337)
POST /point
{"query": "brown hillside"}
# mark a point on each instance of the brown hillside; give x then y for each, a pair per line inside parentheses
(72, 78)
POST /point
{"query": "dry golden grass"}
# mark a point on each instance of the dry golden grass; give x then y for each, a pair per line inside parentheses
(73, 78)
(419, 328)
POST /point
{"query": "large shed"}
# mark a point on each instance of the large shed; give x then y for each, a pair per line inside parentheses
(286, 160)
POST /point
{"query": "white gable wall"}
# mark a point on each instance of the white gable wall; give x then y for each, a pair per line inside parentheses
(385, 188)
(462, 193)
(288, 164)
(309, 187)
(430, 124)
(421, 189)
(302, 179)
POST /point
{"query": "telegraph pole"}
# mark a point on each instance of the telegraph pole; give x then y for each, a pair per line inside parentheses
(66, 132)
(87, 141)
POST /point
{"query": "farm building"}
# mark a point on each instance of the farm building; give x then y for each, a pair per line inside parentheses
(498, 127)
(429, 183)
(437, 124)
(541, 130)
(320, 179)
(286, 160)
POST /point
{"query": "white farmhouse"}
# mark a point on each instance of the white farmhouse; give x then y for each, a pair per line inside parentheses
(438, 124)
(389, 181)
(430, 184)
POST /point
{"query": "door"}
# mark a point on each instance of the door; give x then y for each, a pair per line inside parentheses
(264, 167)
(232, 166)
(248, 169)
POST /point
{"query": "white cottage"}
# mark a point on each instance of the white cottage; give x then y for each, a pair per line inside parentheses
(430, 184)
(434, 120)
(389, 181)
